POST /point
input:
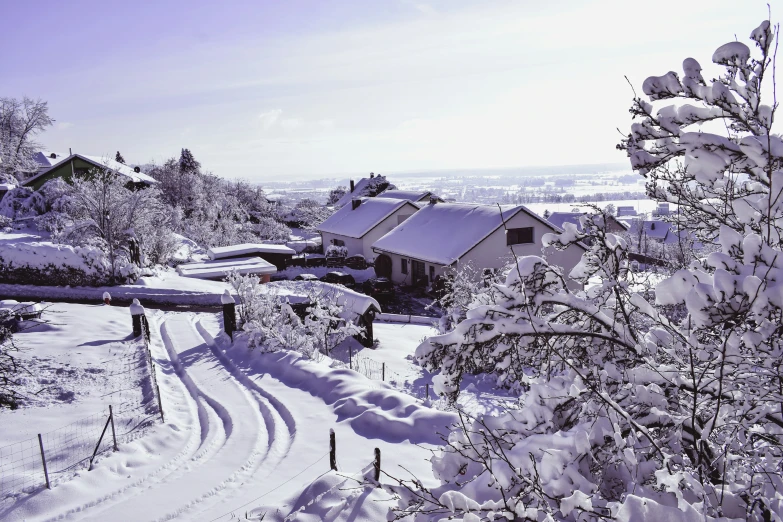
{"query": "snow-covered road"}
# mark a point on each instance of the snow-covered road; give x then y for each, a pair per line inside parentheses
(236, 438)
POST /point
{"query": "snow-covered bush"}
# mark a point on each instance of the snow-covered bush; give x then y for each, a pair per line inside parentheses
(628, 411)
(11, 370)
(306, 214)
(270, 323)
(336, 251)
(45, 263)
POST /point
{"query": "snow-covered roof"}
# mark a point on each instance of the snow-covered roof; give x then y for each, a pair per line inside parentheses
(46, 159)
(559, 218)
(356, 222)
(106, 163)
(300, 292)
(410, 195)
(444, 232)
(7, 186)
(214, 269)
(248, 248)
(364, 187)
(654, 229)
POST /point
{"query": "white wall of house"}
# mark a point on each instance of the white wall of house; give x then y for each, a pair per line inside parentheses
(493, 252)
(364, 244)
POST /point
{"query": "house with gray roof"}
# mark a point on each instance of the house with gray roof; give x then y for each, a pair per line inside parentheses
(358, 225)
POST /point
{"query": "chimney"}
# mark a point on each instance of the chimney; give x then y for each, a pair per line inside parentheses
(372, 175)
(433, 200)
(355, 203)
(351, 185)
(69, 152)
(136, 170)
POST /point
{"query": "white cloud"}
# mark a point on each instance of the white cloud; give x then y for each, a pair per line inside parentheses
(269, 118)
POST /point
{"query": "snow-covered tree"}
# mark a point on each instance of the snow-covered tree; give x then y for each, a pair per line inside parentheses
(632, 410)
(336, 194)
(20, 122)
(307, 214)
(106, 214)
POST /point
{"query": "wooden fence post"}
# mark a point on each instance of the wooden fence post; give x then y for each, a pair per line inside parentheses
(113, 434)
(377, 464)
(383, 371)
(43, 459)
(137, 311)
(332, 451)
(427, 391)
(229, 314)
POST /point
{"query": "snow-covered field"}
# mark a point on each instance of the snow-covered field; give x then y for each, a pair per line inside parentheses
(244, 432)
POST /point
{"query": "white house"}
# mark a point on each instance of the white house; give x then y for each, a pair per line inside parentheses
(443, 235)
(361, 223)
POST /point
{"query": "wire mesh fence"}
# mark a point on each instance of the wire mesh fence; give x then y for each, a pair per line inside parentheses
(56, 455)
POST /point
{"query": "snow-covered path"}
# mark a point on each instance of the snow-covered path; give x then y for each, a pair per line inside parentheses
(231, 422)
(237, 437)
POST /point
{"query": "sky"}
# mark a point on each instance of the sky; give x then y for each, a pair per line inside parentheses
(283, 90)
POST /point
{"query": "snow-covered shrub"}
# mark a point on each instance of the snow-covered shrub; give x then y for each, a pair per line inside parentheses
(269, 229)
(336, 251)
(11, 370)
(627, 412)
(45, 263)
(306, 214)
(270, 323)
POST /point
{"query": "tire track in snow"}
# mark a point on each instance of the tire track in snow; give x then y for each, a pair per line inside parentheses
(280, 423)
(232, 428)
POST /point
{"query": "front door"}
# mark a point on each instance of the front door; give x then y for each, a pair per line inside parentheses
(417, 268)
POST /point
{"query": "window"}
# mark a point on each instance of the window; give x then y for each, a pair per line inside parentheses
(516, 236)
(338, 242)
(404, 266)
(432, 273)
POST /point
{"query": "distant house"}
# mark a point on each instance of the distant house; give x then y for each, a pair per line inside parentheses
(219, 269)
(444, 235)
(78, 165)
(662, 210)
(47, 160)
(365, 188)
(358, 225)
(626, 211)
(655, 230)
(278, 255)
(559, 219)
(414, 196)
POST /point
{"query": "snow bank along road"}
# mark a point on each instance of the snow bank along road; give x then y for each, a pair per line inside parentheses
(229, 437)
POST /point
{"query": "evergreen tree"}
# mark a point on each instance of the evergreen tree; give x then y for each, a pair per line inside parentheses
(118, 158)
(187, 163)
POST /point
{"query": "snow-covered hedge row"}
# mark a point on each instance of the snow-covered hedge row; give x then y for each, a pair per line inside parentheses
(45, 263)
